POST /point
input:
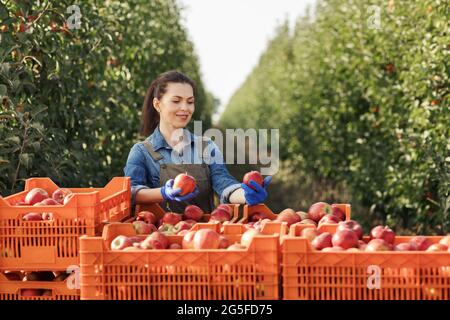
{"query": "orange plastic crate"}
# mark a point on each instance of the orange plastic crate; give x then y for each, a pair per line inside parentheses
(315, 275)
(12, 290)
(52, 245)
(249, 210)
(159, 212)
(251, 274)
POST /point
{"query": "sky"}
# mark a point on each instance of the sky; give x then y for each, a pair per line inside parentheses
(230, 35)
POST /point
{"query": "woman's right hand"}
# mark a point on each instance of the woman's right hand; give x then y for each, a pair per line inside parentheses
(168, 193)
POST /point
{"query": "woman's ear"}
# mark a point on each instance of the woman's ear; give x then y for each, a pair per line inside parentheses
(156, 104)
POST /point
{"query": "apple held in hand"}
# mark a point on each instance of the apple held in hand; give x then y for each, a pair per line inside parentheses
(60, 193)
(383, 232)
(184, 182)
(345, 239)
(192, 212)
(206, 239)
(254, 176)
(35, 195)
(120, 243)
(318, 210)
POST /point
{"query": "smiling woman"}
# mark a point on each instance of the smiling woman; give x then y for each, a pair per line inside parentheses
(154, 163)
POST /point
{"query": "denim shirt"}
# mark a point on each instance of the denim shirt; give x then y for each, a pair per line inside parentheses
(144, 171)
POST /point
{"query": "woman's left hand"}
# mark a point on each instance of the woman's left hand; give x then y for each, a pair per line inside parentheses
(258, 194)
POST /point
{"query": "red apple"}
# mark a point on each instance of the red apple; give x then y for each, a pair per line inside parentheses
(345, 239)
(288, 215)
(377, 245)
(60, 193)
(225, 207)
(32, 216)
(182, 225)
(184, 182)
(156, 240)
(175, 246)
(35, 195)
(255, 176)
(206, 239)
(248, 236)
(308, 221)
(143, 228)
(420, 242)
(193, 212)
(445, 241)
(318, 210)
(120, 243)
(310, 233)
(404, 246)
(303, 215)
(49, 202)
(437, 247)
(21, 203)
(385, 233)
(338, 212)
(135, 239)
(146, 216)
(171, 218)
(322, 241)
(188, 240)
(257, 216)
(223, 242)
(237, 246)
(329, 219)
(190, 222)
(352, 225)
(220, 215)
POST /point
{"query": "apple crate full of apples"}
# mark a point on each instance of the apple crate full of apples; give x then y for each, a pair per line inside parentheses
(208, 262)
(40, 229)
(336, 262)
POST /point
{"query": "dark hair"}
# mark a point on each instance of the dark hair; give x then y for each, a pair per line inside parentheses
(150, 117)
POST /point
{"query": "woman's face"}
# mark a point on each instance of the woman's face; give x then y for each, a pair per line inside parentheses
(176, 105)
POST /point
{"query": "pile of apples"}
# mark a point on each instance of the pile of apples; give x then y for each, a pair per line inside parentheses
(192, 239)
(349, 237)
(178, 224)
(38, 197)
(56, 276)
(318, 213)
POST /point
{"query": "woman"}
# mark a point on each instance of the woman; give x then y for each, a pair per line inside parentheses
(154, 163)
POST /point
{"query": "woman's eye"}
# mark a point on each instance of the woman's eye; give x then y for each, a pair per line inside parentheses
(176, 101)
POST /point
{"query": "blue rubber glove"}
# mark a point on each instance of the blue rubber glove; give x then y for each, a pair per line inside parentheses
(168, 193)
(252, 196)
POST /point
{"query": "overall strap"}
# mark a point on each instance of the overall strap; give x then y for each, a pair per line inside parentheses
(154, 154)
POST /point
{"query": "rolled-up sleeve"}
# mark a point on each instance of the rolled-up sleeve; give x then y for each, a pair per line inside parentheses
(135, 169)
(223, 183)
